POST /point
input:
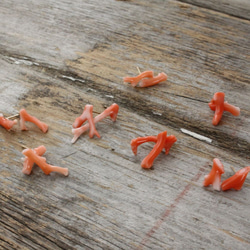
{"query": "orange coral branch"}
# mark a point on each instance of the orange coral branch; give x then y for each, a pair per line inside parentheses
(218, 105)
(232, 109)
(149, 159)
(170, 140)
(161, 140)
(153, 81)
(24, 116)
(87, 115)
(138, 141)
(214, 177)
(41, 162)
(136, 79)
(28, 162)
(6, 123)
(237, 180)
(111, 111)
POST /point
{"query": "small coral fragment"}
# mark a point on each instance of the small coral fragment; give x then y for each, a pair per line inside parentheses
(41, 162)
(161, 141)
(161, 77)
(6, 123)
(214, 177)
(111, 111)
(237, 180)
(218, 105)
(140, 140)
(87, 115)
(137, 79)
(24, 116)
(29, 162)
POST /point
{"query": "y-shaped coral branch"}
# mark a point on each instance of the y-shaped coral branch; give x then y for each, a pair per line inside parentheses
(134, 80)
(237, 180)
(29, 162)
(214, 177)
(24, 116)
(6, 123)
(87, 115)
(41, 162)
(161, 140)
(111, 111)
(146, 79)
(218, 105)
(161, 77)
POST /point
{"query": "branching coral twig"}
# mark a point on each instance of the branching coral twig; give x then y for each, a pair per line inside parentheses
(237, 180)
(214, 177)
(161, 140)
(29, 162)
(41, 162)
(161, 77)
(136, 79)
(87, 115)
(24, 116)
(218, 105)
(6, 123)
(111, 111)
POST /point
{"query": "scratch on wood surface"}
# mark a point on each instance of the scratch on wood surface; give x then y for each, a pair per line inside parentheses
(86, 198)
(234, 236)
(85, 207)
(24, 60)
(195, 135)
(66, 156)
(72, 78)
(169, 210)
(14, 116)
(237, 9)
(230, 234)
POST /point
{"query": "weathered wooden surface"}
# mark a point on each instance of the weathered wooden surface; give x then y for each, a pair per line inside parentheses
(57, 56)
(237, 8)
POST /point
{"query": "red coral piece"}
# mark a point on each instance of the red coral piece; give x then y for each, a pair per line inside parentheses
(41, 162)
(161, 77)
(237, 180)
(111, 111)
(161, 140)
(6, 123)
(24, 116)
(87, 115)
(214, 177)
(218, 105)
(28, 162)
(136, 79)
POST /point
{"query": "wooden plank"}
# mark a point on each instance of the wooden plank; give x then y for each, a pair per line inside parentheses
(117, 177)
(237, 8)
(197, 52)
(77, 53)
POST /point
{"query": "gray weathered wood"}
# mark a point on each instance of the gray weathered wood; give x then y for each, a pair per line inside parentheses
(237, 8)
(57, 56)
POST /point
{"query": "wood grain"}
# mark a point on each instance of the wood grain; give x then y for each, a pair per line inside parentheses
(58, 56)
(237, 8)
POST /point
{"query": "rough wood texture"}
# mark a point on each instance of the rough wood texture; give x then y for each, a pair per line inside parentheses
(57, 56)
(237, 8)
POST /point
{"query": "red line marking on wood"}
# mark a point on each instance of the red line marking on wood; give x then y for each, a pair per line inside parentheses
(169, 210)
